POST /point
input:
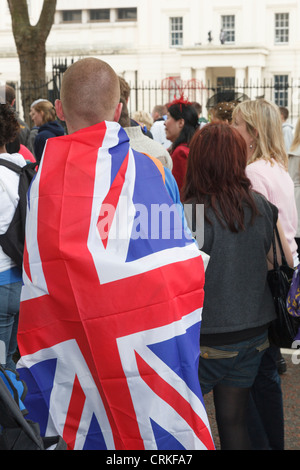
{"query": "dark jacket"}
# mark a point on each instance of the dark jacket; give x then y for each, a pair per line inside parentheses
(238, 300)
(45, 132)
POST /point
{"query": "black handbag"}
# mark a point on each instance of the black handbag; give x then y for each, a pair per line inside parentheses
(284, 328)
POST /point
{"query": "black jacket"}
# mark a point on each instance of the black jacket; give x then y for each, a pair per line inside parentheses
(45, 132)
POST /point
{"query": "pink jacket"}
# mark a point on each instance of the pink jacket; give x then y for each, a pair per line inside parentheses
(275, 183)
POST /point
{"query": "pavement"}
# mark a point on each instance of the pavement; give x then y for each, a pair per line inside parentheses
(290, 383)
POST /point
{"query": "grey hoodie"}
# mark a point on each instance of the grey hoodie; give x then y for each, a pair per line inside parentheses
(288, 135)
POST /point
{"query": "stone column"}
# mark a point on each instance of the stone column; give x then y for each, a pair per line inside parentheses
(255, 81)
(240, 78)
(202, 94)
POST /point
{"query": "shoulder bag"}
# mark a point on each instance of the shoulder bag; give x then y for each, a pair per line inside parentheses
(284, 328)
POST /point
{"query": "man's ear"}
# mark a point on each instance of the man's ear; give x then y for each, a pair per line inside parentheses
(118, 112)
(59, 110)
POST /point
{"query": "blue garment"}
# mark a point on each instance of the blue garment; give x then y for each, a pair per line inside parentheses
(10, 276)
(10, 295)
(232, 365)
(45, 132)
(172, 188)
(16, 387)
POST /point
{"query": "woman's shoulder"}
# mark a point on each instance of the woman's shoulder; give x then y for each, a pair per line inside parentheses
(184, 145)
(259, 165)
(51, 126)
(265, 165)
(264, 206)
(269, 172)
(16, 158)
(181, 149)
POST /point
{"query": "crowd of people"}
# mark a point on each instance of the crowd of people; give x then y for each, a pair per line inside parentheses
(244, 169)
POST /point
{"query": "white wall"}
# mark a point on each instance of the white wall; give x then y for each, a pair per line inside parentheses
(144, 45)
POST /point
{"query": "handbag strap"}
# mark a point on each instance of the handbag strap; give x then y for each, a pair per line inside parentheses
(283, 258)
(275, 261)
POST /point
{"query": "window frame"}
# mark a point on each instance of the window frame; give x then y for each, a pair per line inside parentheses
(228, 24)
(226, 83)
(282, 31)
(126, 10)
(176, 31)
(99, 20)
(281, 90)
(71, 21)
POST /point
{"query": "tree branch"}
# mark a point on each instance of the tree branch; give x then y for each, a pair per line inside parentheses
(21, 26)
(46, 18)
(19, 16)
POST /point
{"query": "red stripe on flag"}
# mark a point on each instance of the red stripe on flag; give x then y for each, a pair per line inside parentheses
(175, 400)
(96, 316)
(26, 262)
(112, 200)
(74, 415)
(71, 310)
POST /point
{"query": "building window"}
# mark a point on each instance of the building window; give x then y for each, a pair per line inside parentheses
(281, 87)
(282, 23)
(226, 82)
(127, 14)
(100, 15)
(228, 28)
(71, 16)
(176, 31)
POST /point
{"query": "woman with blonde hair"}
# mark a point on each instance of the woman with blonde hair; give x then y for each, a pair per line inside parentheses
(259, 122)
(144, 119)
(43, 115)
(294, 171)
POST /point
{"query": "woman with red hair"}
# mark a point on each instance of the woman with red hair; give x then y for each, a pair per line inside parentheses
(238, 305)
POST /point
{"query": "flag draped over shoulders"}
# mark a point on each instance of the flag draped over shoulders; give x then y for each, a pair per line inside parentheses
(112, 299)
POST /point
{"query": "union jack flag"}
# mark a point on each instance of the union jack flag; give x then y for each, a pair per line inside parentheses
(110, 321)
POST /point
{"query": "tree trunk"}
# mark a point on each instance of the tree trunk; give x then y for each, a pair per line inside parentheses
(31, 47)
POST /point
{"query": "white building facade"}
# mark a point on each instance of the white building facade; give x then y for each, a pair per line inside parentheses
(150, 40)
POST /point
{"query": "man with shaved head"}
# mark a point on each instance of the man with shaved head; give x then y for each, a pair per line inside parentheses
(90, 94)
(112, 297)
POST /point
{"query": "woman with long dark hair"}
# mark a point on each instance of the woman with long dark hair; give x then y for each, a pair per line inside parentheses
(181, 125)
(238, 305)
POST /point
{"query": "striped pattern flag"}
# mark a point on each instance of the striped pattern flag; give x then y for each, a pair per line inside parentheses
(112, 300)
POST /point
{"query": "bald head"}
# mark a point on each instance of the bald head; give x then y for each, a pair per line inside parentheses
(90, 93)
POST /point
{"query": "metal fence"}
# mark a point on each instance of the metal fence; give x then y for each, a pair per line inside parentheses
(146, 95)
(49, 89)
